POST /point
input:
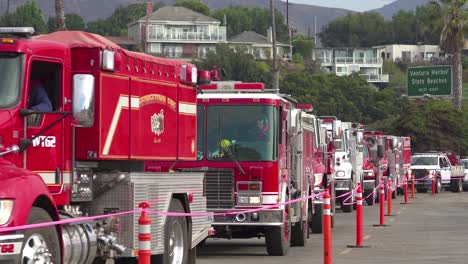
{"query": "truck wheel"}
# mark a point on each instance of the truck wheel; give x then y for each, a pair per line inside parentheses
(299, 234)
(41, 245)
(438, 185)
(456, 186)
(465, 187)
(370, 199)
(278, 239)
(176, 244)
(348, 207)
(316, 223)
(421, 190)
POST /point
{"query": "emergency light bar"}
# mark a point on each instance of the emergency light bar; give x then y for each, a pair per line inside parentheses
(17, 31)
(232, 86)
(305, 107)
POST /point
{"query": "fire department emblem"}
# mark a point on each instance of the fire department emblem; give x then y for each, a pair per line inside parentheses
(157, 123)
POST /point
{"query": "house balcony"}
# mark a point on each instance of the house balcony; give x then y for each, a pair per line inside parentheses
(376, 78)
(327, 61)
(188, 37)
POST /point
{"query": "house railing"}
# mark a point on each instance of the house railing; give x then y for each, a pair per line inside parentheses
(383, 78)
(177, 35)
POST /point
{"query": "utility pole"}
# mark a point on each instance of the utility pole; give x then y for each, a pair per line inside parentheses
(289, 30)
(315, 32)
(60, 15)
(275, 59)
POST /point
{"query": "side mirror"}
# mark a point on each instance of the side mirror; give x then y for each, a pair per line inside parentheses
(380, 147)
(337, 143)
(360, 148)
(83, 100)
(336, 129)
(395, 143)
(359, 137)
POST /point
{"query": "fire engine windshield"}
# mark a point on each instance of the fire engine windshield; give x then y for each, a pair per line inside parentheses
(242, 132)
(10, 73)
(424, 160)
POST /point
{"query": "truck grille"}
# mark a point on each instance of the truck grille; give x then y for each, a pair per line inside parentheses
(218, 186)
(419, 173)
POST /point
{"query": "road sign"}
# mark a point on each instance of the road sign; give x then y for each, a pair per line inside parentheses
(429, 81)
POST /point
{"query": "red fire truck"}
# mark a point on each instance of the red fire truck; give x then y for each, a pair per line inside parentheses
(112, 110)
(375, 164)
(256, 149)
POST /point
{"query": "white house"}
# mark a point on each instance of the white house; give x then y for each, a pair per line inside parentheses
(261, 47)
(409, 53)
(344, 61)
(177, 32)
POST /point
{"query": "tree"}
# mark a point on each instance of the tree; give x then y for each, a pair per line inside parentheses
(303, 46)
(116, 24)
(74, 22)
(26, 15)
(60, 14)
(357, 30)
(194, 5)
(433, 125)
(404, 27)
(237, 64)
(257, 19)
(451, 40)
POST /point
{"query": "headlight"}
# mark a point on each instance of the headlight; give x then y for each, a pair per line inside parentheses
(340, 174)
(256, 199)
(368, 173)
(6, 207)
(242, 199)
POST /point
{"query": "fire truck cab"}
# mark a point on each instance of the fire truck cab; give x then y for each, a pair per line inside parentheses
(111, 110)
(257, 150)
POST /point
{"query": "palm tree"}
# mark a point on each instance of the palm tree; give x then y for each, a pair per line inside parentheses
(452, 40)
(60, 14)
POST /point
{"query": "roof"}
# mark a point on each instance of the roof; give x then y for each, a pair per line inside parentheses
(121, 40)
(178, 13)
(80, 39)
(240, 96)
(251, 37)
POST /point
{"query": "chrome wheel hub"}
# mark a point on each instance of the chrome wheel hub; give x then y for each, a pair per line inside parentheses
(36, 251)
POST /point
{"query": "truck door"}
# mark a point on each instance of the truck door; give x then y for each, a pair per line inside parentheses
(444, 169)
(46, 154)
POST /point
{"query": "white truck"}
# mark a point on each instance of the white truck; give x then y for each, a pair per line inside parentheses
(464, 163)
(437, 166)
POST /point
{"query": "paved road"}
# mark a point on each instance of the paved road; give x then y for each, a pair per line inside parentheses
(430, 230)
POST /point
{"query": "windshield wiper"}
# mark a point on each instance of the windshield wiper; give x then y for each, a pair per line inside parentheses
(228, 150)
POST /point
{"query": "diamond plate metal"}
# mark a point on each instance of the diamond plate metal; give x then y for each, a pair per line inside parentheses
(157, 189)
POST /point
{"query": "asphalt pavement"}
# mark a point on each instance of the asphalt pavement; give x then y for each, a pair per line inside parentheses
(431, 229)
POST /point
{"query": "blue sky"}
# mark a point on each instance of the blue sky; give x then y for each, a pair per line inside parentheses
(357, 5)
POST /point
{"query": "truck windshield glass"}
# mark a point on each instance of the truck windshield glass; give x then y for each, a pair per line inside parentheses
(200, 130)
(465, 163)
(424, 160)
(245, 133)
(10, 72)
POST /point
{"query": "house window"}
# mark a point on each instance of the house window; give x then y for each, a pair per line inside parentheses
(155, 48)
(406, 55)
(173, 51)
(341, 69)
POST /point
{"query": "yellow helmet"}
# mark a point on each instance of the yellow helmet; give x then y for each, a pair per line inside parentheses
(225, 143)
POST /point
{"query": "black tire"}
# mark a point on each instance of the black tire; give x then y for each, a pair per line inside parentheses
(316, 223)
(44, 237)
(456, 186)
(438, 185)
(278, 239)
(370, 199)
(347, 208)
(299, 234)
(421, 190)
(465, 187)
(175, 229)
